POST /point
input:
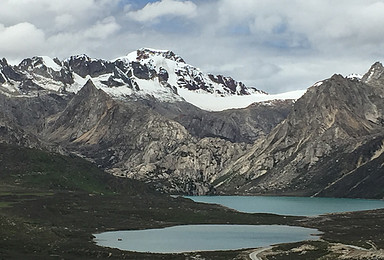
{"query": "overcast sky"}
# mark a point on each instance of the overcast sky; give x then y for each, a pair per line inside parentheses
(274, 45)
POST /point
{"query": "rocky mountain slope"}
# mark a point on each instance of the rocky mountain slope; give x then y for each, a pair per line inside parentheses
(159, 79)
(131, 116)
(236, 125)
(131, 141)
(331, 144)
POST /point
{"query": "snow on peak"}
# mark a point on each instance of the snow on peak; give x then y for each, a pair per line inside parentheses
(354, 76)
(148, 53)
(50, 63)
(40, 61)
(145, 73)
(317, 84)
(375, 72)
(181, 75)
(82, 57)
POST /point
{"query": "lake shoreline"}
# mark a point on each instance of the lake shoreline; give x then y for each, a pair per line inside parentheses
(204, 237)
(292, 206)
(62, 223)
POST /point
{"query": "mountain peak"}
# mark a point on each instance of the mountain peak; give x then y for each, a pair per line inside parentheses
(337, 77)
(375, 75)
(90, 91)
(89, 87)
(144, 73)
(41, 61)
(146, 53)
(378, 64)
(80, 57)
(3, 62)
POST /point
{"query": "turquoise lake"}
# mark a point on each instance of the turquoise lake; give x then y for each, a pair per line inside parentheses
(298, 206)
(190, 238)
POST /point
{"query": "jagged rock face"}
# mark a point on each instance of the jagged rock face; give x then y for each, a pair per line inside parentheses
(83, 66)
(131, 141)
(21, 118)
(333, 134)
(375, 75)
(144, 73)
(156, 62)
(230, 83)
(30, 113)
(38, 69)
(145, 53)
(12, 134)
(235, 125)
(8, 73)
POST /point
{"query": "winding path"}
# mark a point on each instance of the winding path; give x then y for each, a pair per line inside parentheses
(254, 254)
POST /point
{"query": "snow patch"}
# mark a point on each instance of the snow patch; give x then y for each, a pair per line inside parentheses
(317, 84)
(48, 83)
(10, 88)
(154, 50)
(132, 56)
(214, 102)
(155, 89)
(355, 76)
(50, 63)
(118, 92)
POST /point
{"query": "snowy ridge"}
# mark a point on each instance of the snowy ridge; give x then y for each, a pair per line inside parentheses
(50, 63)
(145, 73)
(217, 103)
(354, 76)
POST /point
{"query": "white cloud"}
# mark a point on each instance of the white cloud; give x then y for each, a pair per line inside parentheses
(102, 29)
(22, 38)
(54, 15)
(152, 11)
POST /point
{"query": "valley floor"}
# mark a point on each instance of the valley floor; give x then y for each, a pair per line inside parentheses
(41, 224)
(49, 224)
(50, 205)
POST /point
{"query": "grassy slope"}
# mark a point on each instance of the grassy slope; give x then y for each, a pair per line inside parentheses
(50, 205)
(41, 170)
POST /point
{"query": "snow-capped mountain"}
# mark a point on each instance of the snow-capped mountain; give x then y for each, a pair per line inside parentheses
(145, 73)
(329, 142)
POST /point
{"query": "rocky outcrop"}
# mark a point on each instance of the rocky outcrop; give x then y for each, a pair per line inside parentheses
(375, 75)
(129, 140)
(13, 134)
(22, 118)
(236, 125)
(330, 145)
(38, 69)
(146, 53)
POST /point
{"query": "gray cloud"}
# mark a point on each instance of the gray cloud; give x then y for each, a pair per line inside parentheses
(275, 45)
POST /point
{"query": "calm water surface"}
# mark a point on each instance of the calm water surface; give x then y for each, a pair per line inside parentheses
(297, 206)
(191, 238)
